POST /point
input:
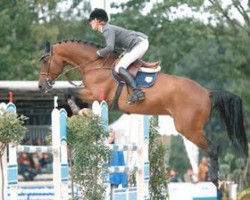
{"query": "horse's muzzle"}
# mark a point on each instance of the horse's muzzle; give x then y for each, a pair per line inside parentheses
(45, 86)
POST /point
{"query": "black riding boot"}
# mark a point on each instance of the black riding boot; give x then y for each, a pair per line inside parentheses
(137, 93)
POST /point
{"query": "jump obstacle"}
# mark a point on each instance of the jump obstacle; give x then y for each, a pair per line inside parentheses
(60, 163)
(58, 149)
(141, 192)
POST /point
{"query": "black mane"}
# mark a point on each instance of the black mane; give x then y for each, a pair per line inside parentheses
(116, 51)
(80, 41)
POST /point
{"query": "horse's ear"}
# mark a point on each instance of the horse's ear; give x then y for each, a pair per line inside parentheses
(47, 47)
(47, 50)
(43, 56)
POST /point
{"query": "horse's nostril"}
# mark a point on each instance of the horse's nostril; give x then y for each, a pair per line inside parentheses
(40, 86)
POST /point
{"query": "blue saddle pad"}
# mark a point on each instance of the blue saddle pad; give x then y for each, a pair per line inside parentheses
(143, 79)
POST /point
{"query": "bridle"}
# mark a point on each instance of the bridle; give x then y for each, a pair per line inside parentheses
(48, 79)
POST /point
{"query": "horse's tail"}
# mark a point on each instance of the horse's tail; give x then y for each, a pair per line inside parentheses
(230, 110)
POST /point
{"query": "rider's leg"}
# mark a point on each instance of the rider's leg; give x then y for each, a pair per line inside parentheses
(137, 93)
(136, 52)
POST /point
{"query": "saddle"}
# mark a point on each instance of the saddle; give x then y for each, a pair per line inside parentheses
(145, 74)
(143, 66)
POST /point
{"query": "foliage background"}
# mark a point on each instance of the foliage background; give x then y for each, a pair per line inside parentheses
(214, 52)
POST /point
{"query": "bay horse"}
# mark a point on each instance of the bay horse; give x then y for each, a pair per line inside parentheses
(186, 101)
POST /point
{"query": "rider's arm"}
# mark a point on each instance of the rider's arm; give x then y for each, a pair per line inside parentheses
(109, 35)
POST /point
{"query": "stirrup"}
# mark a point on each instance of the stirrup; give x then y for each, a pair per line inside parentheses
(138, 95)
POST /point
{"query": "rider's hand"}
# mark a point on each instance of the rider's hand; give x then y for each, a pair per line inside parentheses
(98, 56)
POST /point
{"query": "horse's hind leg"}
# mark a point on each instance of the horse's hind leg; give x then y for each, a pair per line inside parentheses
(192, 127)
(200, 140)
(214, 166)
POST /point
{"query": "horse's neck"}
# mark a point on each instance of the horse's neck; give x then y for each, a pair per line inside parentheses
(95, 74)
(98, 71)
(74, 53)
(97, 77)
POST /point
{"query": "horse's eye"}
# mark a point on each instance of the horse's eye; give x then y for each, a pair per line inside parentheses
(45, 61)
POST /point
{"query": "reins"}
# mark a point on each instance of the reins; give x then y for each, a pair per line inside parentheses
(66, 73)
(85, 70)
(99, 67)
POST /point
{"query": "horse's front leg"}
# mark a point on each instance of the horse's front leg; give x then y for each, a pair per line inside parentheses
(83, 94)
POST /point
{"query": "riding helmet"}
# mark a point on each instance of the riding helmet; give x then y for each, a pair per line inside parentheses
(99, 14)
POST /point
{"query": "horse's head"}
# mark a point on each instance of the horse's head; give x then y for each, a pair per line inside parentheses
(51, 68)
(80, 56)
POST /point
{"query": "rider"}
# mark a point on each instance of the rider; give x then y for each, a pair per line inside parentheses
(135, 45)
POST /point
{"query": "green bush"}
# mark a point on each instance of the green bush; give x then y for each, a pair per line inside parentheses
(244, 195)
(12, 129)
(158, 181)
(90, 155)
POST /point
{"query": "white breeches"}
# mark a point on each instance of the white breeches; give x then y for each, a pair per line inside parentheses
(136, 52)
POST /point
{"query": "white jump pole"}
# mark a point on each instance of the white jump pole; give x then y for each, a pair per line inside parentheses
(55, 122)
(60, 162)
(64, 154)
(12, 165)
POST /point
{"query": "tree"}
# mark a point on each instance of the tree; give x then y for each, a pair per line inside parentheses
(25, 26)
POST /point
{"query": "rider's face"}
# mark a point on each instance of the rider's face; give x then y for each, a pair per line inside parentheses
(94, 24)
